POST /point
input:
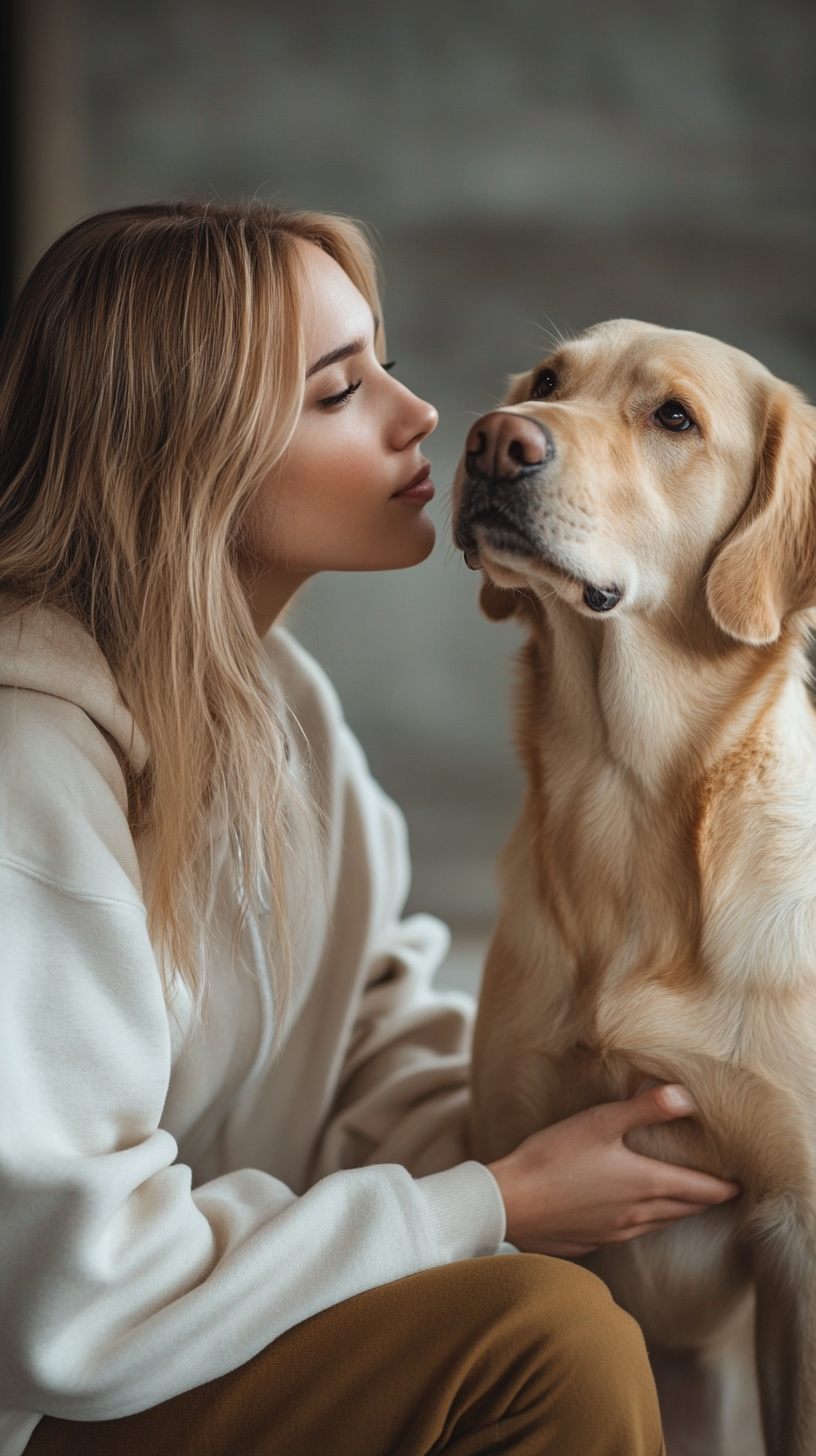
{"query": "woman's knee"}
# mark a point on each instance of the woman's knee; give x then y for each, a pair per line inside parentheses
(525, 1307)
(576, 1312)
(588, 1355)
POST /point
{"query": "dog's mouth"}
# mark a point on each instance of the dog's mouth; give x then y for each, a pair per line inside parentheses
(499, 531)
(497, 526)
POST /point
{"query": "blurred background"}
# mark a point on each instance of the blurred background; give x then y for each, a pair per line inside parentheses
(527, 168)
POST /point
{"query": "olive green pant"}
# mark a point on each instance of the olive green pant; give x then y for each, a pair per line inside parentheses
(516, 1354)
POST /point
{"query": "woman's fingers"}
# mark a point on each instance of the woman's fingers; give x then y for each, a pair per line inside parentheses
(665, 1104)
(657, 1224)
(685, 1185)
(658, 1104)
(664, 1211)
(625, 1236)
(577, 1185)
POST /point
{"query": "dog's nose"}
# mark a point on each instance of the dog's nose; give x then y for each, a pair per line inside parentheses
(504, 446)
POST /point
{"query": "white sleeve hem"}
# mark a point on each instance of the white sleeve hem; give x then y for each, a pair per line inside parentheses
(466, 1209)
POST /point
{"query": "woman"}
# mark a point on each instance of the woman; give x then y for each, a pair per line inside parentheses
(238, 1211)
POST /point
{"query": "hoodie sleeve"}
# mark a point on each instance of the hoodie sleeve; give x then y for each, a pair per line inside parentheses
(120, 1284)
(403, 1095)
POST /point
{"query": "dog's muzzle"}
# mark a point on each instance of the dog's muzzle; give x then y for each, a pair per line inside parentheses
(504, 455)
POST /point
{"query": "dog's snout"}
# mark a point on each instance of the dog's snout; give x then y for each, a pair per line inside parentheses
(504, 446)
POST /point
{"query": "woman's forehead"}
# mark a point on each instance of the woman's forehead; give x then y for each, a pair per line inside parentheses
(334, 310)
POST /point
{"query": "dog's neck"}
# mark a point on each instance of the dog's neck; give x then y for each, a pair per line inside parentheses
(658, 701)
(630, 736)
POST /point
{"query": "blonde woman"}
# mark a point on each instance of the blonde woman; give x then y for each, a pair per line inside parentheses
(238, 1215)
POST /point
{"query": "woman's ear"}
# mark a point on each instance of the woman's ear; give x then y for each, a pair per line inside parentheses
(766, 567)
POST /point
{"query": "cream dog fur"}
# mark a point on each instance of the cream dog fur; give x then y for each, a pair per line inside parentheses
(646, 499)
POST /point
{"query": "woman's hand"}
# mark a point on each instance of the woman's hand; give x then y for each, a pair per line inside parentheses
(576, 1184)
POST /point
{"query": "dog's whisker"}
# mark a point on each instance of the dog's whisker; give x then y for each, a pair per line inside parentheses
(554, 334)
(680, 623)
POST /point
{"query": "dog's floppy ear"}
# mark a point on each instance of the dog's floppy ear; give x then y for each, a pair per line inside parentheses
(766, 568)
(500, 602)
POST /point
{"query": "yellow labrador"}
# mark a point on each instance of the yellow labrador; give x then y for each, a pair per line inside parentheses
(647, 499)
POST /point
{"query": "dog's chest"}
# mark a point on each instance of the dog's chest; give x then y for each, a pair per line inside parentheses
(671, 917)
(672, 943)
(620, 873)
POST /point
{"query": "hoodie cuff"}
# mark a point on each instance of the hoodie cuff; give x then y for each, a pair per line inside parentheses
(465, 1210)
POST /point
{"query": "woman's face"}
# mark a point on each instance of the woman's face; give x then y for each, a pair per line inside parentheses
(351, 490)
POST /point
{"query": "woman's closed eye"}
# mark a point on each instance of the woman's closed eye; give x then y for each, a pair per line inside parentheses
(333, 400)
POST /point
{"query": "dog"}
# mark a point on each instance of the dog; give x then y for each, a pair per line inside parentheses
(645, 500)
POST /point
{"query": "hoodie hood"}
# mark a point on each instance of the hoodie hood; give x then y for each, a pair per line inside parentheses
(46, 651)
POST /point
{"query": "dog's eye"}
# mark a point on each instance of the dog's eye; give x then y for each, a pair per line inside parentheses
(543, 384)
(672, 415)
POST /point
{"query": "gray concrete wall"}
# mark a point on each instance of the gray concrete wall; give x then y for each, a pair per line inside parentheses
(527, 166)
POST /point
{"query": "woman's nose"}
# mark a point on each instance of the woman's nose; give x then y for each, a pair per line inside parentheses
(412, 420)
(428, 415)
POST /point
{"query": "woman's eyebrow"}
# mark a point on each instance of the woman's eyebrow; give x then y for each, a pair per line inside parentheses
(346, 351)
(335, 355)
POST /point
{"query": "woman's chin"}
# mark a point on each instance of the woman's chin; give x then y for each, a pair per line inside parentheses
(410, 548)
(384, 552)
(422, 540)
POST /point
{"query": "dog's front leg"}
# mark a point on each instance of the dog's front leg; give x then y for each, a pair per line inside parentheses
(783, 1236)
(524, 1026)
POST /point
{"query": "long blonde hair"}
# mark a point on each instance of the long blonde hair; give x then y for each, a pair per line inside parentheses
(151, 375)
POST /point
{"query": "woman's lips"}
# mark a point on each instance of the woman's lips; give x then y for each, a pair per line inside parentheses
(420, 489)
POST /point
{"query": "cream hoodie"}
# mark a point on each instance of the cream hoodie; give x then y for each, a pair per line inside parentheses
(174, 1195)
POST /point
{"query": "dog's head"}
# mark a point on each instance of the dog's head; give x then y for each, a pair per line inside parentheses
(640, 468)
